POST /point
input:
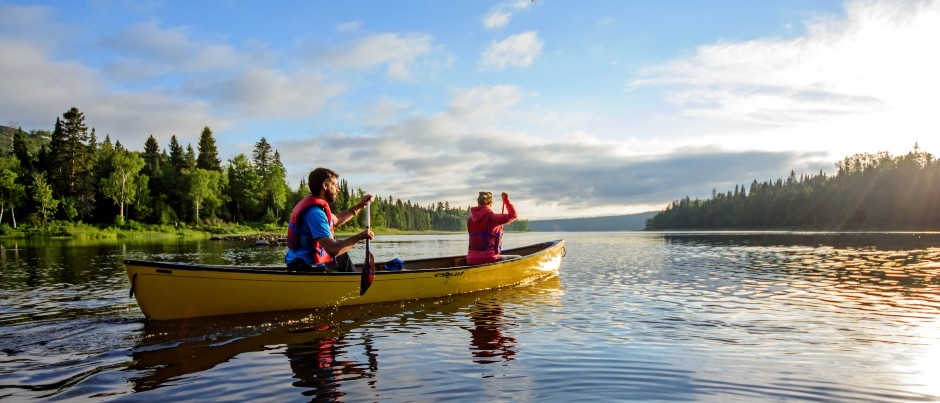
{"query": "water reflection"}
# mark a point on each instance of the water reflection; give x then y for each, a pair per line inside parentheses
(169, 350)
(488, 342)
(872, 273)
(319, 369)
(325, 349)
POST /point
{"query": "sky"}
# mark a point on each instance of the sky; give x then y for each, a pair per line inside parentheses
(576, 109)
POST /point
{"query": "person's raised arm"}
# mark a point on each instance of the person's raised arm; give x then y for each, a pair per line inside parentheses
(511, 210)
(344, 216)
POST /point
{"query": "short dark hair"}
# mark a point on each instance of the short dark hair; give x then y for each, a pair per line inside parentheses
(317, 177)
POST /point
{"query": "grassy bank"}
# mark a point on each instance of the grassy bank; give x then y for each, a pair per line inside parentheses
(133, 230)
(78, 230)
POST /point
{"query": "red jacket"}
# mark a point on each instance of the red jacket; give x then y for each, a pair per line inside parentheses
(486, 233)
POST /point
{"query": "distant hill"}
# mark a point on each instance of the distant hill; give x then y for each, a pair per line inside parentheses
(631, 222)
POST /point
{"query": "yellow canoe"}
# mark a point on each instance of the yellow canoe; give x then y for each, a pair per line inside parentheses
(166, 290)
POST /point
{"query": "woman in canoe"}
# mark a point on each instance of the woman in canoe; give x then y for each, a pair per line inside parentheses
(486, 230)
(311, 245)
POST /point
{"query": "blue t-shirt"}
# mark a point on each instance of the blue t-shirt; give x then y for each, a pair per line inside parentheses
(313, 225)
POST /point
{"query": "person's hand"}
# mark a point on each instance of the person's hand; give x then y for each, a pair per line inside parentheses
(362, 202)
(366, 234)
(505, 196)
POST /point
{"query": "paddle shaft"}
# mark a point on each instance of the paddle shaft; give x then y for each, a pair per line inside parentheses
(368, 222)
(368, 266)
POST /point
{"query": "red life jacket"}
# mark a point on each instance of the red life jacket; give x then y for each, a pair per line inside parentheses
(295, 241)
(484, 236)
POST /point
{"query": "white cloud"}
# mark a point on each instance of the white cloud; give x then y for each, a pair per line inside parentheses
(482, 104)
(223, 85)
(398, 51)
(518, 50)
(448, 156)
(171, 50)
(499, 16)
(47, 88)
(399, 71)
(266, 94)
(863, 77)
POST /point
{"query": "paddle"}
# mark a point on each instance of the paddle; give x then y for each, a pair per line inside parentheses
(368, 267)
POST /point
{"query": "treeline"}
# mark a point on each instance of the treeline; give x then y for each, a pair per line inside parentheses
(69, 175)
(869, 192)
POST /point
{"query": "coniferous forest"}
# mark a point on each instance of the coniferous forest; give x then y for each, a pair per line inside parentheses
(69, 175)
(868, 192)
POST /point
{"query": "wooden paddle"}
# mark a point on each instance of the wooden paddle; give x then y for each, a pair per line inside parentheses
(368, 267)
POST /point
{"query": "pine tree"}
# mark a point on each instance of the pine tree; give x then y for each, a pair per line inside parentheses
(21, 150)
(262, 159)
(177, 155)
(261, 156)
(71, 161)
(151, 156)
(208, 152)
(189, 158)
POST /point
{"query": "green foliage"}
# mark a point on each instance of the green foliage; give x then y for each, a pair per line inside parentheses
(68, 208)
(61, 179)
(870, 191)
(120, 184)
(202, 186)
(244, 184)
(12, 191)
(42, 194)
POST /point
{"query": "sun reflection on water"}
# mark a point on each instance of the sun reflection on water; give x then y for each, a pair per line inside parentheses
(924, 370)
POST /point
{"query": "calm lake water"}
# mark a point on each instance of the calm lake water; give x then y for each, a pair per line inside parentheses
(631, 317)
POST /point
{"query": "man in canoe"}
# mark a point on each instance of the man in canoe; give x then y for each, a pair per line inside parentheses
(486, 230)
(311, 245)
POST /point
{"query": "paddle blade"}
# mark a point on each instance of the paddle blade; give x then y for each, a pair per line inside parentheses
(368, 273)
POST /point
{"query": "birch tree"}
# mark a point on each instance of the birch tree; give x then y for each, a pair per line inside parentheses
(11, 192)
(120, 184)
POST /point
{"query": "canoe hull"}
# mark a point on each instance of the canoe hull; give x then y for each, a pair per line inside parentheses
(178, 290)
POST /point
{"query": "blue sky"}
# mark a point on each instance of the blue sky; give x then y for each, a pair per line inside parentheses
(575, 109)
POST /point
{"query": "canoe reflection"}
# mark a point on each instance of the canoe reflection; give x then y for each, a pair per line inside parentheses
(318, 344)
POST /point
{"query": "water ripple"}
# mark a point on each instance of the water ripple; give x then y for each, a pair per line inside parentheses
(644, 316)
